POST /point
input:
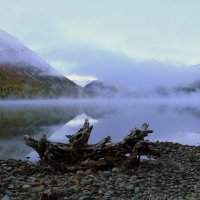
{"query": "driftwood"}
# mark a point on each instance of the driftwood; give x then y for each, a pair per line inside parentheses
(78, 154)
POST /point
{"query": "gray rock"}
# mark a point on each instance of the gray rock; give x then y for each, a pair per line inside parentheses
(106, 174)
(115, 169)
(120, 179)
(26, 186)
(75, 188)
(80, 173)
(134, 198)
(110, 187)
(6, 197)
(96, 198)
(87, 181)
(73, 197)
(9, 169)
(100, 191)
(11, 186)
(85, 198)
(107, 195)
(122, 185)
(130, 187)
(137, 189)
(87, 193)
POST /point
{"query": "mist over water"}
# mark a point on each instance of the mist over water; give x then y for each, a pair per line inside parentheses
(172, 119)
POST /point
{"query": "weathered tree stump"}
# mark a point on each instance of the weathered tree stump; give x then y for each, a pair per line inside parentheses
(78, 154)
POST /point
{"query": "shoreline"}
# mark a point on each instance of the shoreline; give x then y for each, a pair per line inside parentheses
(175, 175)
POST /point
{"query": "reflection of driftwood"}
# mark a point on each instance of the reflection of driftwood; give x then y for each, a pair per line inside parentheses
(78, 154)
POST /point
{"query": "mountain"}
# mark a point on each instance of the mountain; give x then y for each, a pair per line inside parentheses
(189, 89)
(192, 87)
(23, 74)
(185, 89)
(98, 88)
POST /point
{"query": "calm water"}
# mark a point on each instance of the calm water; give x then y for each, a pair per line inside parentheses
(176, 120)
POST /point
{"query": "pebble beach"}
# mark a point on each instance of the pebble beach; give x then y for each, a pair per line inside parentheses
(175, 175)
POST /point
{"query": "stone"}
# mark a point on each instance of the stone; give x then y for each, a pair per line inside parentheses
(122, 185)
(110, 187)
(44, 196)
(88, 172)
(106, 174)
(129, 187)
(168, 178)
(9, 169)
(85, 198)
(11, 186)
(80, 173)
(26, 186)
(133, 178)
(107, 195)
(6, 197)
(100, 192)
(87, 193)
(137, 189)
(115, 169)
(40, 188)
(85, 182)
(75, 188)
(120, 179)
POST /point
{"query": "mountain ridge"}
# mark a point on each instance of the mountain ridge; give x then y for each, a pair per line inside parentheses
(23, 74)
(100, 88)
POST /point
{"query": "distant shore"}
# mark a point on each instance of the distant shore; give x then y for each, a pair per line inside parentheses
(175, 175)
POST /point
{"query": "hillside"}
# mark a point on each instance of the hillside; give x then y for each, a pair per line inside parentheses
(16, 82)
(23, 74)
(102, 89)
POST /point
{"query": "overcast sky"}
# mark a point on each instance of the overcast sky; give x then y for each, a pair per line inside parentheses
(106, 39)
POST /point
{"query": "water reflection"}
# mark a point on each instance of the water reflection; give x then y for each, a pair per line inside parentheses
(35, 118)
(71, 127)
(59, 134)
(171, 121)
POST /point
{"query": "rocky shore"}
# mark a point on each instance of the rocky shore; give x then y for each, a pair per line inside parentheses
(175, 175)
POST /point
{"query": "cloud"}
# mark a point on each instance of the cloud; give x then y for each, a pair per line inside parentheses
(140, 29)
(121, 69)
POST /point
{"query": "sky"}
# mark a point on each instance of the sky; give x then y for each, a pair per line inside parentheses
(113, 40)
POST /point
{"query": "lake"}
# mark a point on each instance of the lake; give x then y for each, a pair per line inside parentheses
(172, 119)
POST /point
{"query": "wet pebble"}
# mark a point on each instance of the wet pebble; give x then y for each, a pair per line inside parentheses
(175, 175)
(106, 174)
(26, 186)
(6, 197)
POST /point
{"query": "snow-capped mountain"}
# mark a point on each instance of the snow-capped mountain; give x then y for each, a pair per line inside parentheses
(15, 53)
(23, 74)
